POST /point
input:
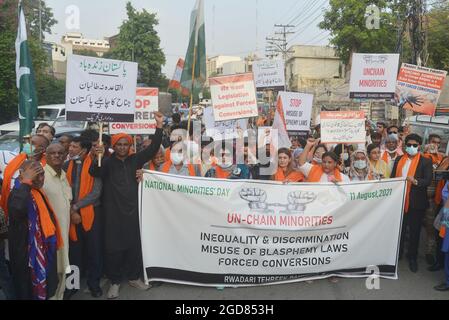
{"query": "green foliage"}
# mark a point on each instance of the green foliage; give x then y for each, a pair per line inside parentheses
(439, 37)
(139, 41)
(49, 90)
(346, 19)
(86, 52)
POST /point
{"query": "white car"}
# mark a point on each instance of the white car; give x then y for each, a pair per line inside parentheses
(44, 114)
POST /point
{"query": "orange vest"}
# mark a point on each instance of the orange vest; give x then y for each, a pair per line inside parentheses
(293, 176)
(86, 186)
(317, 172)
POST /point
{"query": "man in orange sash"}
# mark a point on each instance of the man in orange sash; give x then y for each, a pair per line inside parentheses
(85, 228)
(34, 150)
(34, 236)
(418, 172)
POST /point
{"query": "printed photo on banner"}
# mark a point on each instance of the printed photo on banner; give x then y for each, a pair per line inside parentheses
(248, 233)
(343, 127)
(269, 74)
(419, 88)
(147, 103)
(223, 130)
(234, 97)
(100, 90)
(373, 76)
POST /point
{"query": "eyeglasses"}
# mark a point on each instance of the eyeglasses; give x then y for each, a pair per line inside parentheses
(414, 145)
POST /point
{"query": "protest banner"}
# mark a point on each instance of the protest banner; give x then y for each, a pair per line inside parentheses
(269, 74)
(248, 233)
(419, 88)
(223, 130)
(343, 127)
(297, 110)
(147, 103)
(233, 97)
(100, 90)
(373, 76)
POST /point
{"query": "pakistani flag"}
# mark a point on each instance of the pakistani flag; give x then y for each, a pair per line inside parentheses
(195, 61)
(25, 79)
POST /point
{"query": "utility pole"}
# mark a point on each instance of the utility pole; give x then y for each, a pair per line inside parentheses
(418, 33)
(280, 44)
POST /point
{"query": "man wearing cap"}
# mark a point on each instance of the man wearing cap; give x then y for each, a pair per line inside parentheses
(123, 255)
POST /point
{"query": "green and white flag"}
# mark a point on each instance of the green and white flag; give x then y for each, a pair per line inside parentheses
(25, 79)
(196, 53)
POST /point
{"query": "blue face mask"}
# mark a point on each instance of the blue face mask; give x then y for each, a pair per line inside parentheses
(412, 151)
(27, 149)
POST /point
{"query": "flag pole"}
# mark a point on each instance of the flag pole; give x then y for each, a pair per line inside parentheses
(191, 89)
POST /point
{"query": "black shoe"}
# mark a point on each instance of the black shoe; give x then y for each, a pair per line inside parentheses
(413, 265)
(68, 294)
(436, 267)
(442, 287)
(96, 292)
(430, 259)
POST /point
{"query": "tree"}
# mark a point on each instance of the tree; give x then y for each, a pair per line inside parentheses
(8, 30)
(139, 41)
(86, 52)
(439, 37)
(346, 20)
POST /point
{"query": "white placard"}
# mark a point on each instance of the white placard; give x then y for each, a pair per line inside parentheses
(224, 130)
(343, 127)
(100, 90)
(373, 76)
(269, 74)
(234, 97)
(297, 110)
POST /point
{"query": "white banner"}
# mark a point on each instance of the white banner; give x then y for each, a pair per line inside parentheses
(297, 110)
(234, 97)
(373, 76)
(224, 130)
(209, 232)
(269, 74)
(100, 89)
(343, 127)
(147, 103)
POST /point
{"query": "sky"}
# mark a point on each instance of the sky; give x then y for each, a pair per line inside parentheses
(233, 27)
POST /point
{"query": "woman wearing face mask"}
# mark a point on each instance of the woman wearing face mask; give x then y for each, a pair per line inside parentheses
(177, 164)
(327, 171)
(224, 168)
(317, 153)
(285, 172)
(360, 167)
(379, 168)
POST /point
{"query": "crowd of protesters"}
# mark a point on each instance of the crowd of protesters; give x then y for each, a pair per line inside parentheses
(62, 208)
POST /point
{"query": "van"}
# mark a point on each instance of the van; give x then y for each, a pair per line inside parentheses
(427, 125)
(44, 114)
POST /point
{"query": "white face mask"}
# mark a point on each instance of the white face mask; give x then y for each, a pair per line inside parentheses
(392, 151)
(345, 156)
(360, 164)
(177, 158)
(318, 160)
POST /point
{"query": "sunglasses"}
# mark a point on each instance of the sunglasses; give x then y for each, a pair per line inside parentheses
(412, 145)
(393, 132)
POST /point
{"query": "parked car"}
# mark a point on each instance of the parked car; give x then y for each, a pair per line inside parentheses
(44, 114)
(426, 125)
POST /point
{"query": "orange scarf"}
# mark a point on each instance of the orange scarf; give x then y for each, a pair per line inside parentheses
(220, 173)
(151, 166)
(167, 165)
(436, 158)
(385, 157)
(439, 192)
(411, 173)
(167, 154)
(44, 210)
(10, 170)
(317, 172)
(293, 176)
(86, 186)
